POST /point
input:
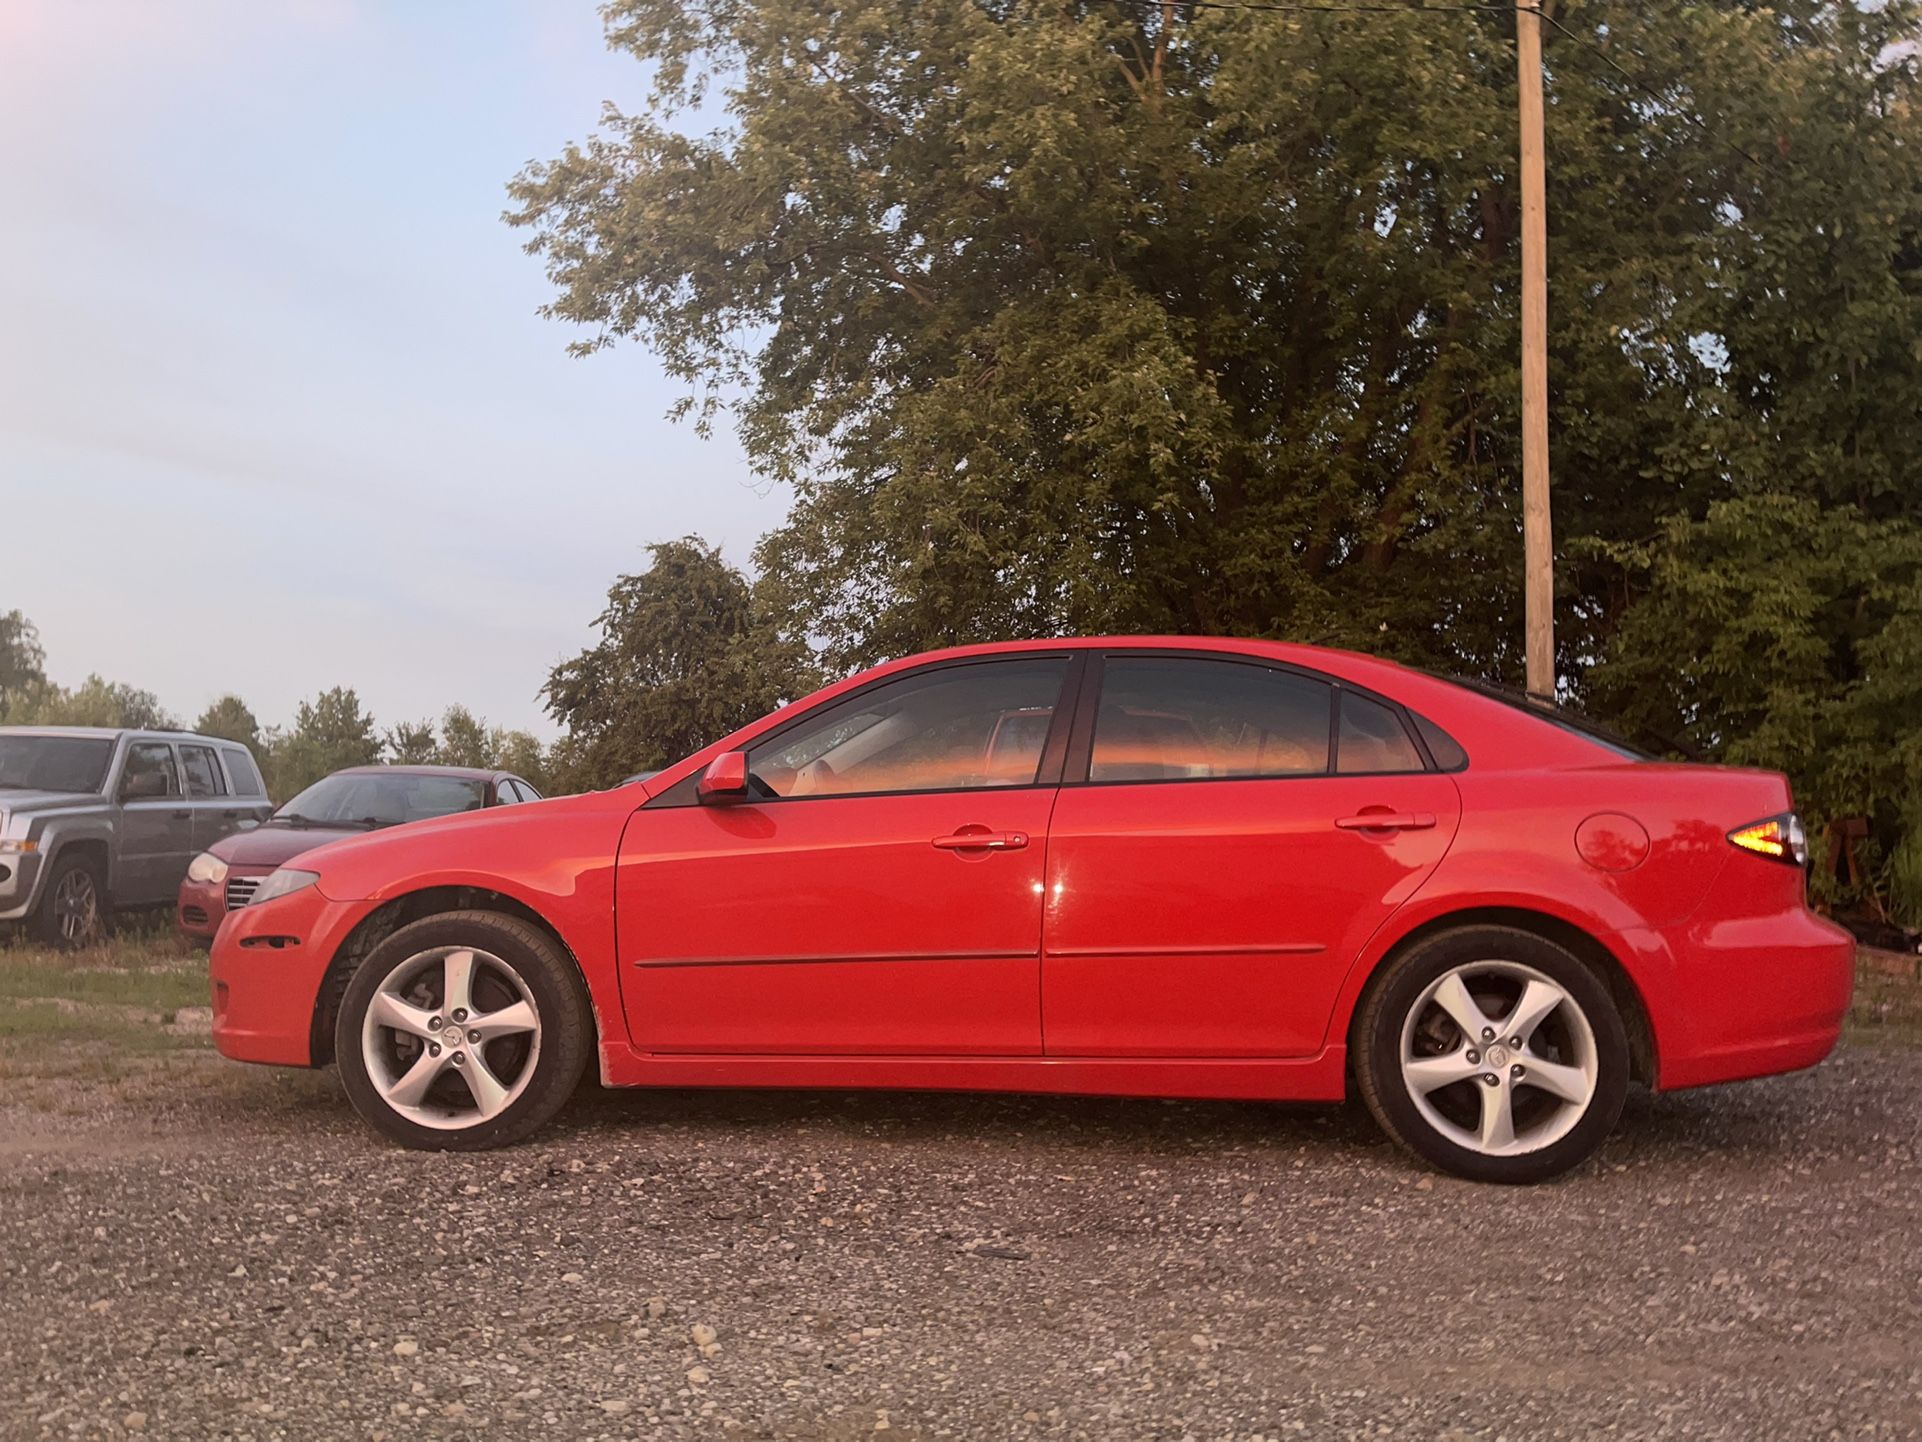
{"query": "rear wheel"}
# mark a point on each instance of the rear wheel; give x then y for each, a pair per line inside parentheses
(73, 909)
(1493, 1054)
(462, 1032)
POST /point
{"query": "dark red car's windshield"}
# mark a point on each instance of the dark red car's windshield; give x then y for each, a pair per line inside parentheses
(370, 799)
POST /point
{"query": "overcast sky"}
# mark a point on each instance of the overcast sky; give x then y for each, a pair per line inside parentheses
(276, 412)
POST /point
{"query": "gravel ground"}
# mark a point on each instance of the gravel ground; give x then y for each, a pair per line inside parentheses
(219, 1251)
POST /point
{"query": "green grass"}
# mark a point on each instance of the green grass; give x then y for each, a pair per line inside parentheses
(162, 991)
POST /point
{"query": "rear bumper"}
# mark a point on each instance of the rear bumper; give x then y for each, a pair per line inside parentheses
(266, 969)
(1739, 997)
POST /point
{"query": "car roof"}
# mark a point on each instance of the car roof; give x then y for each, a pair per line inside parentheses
(113, 733)
(467, 773)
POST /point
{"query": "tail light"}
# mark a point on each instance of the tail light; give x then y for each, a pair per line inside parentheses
(1780, 838)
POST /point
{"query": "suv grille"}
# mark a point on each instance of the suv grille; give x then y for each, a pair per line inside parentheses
(241, 889)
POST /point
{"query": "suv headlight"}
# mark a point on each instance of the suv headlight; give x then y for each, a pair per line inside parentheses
(207, 869)
(283, 883)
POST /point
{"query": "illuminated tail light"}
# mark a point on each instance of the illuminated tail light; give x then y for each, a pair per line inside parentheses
(1779, 838)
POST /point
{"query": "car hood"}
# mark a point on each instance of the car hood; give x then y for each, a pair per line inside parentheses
(12, 803)
(272, 843)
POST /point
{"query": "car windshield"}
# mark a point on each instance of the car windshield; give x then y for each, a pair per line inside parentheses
(372, 798)
(54, 763)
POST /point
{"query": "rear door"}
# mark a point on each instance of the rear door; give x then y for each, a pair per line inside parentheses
(1230, 834)
(881, 894)
(156, 827)
(216, 813)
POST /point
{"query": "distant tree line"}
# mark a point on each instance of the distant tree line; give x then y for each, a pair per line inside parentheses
(685, 653)
(328, 732)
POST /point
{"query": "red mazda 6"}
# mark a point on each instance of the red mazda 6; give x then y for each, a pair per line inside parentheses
(1152, 867)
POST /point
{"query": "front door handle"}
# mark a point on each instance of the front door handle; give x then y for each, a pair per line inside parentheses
(1388, 821)
(982, 841)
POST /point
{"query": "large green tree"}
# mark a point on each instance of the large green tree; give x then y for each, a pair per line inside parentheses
(329, 732)
(1108, 314)
(685, 656)
(232, 719)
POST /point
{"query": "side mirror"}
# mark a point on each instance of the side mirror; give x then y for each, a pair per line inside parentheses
(248, 825)
(724, 780)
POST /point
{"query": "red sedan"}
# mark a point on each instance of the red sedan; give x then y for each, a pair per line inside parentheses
(1153, 867)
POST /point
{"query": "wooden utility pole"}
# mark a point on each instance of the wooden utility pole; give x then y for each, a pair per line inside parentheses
(1538, 542)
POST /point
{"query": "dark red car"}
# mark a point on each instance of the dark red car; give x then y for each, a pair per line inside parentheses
(346, 803)
(1156, 867)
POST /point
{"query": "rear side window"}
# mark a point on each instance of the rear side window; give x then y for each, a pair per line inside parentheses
(1373, 739)
(241, 771)
(1194, 719)
(203, 773)
(1446, 750)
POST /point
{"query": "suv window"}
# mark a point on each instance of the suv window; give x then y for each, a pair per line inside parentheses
(1373, 739)
(950, 728)
(203, 774)
(1195, 719)
(149, 772)
(242, 772)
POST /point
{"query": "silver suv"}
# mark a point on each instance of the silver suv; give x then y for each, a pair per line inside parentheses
(92, 819)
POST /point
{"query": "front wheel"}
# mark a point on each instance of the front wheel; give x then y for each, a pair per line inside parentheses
(462, 1032)
(73, 909)
(1494, 1054)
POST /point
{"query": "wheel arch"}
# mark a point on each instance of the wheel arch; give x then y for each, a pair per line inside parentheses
(95, 849)
(1628, 997)
(390, 916)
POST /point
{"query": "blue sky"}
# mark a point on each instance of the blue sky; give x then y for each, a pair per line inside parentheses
(276, 410)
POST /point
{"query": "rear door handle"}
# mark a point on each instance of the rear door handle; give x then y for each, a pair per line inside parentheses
(982, 841)
(1388, 821)
(183, 816)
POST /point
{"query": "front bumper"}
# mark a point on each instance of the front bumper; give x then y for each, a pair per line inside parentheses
(200, 905)
(266, 969)
(1737, 997)
(19, 880)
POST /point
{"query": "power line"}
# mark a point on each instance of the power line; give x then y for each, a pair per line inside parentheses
(1652, 93)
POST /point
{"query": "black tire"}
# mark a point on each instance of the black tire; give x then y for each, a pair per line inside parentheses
(52, 917)
(1378, 1052)
(552, 1069)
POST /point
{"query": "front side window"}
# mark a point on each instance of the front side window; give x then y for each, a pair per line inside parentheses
(947, 729)
(203, 772)
(149, 772)
(1191, 719)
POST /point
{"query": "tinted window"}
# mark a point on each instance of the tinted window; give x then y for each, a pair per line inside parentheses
(149, 771)
(1176, 719)
(240, 770)
(1446, 750)
(203, 774)
(946, 729)
(1373, 738)
(54, 763)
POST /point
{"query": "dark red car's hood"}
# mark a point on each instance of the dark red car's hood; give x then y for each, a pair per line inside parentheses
(274, 842)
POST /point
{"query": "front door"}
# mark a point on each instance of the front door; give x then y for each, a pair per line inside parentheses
(1242, 831)
(156, 827)
(879, 895)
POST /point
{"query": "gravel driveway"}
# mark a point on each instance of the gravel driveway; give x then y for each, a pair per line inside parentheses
(225, 1252)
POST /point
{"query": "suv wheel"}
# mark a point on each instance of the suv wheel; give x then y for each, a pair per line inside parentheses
(73, 909)
(1494, 1054)
(462, 1031)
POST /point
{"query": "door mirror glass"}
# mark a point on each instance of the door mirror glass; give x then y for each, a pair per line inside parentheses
(725, 778)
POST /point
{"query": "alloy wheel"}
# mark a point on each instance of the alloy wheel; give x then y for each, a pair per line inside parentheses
(1499, 1058)
(451, 1037)
(76, 907)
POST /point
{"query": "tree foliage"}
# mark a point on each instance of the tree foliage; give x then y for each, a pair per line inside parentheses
(1115, 316)
(685, 656)
(21, 659)
(95, 702)
(230, 719)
